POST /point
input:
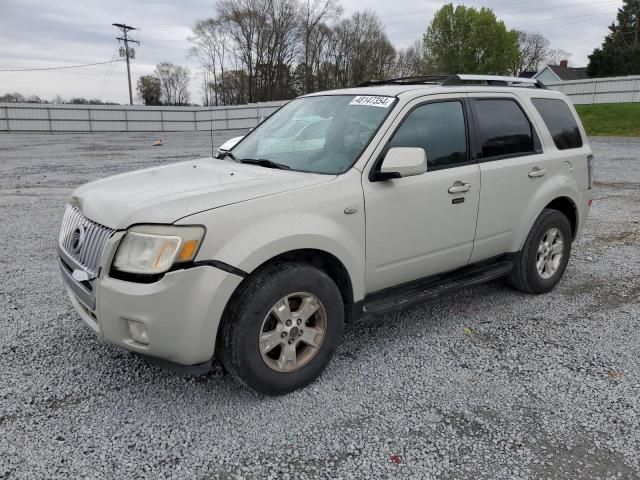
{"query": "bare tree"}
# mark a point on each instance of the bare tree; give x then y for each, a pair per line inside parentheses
(174, 81)
(279, 50)
(315, 16)
(534, 49)
(536, 52)
(256, 50)
(211, 50)
(260, 37)
(363, 50)
(556, 55)
(245, 21)
(410, 60)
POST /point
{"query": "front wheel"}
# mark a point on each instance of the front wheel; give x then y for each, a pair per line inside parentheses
(544, 257)
(282, 328)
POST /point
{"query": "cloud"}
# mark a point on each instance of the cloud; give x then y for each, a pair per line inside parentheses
(37, 33)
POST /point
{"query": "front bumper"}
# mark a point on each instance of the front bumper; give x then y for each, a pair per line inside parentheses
(180, 312)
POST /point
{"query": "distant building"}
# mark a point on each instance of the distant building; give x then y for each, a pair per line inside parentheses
(560, 73)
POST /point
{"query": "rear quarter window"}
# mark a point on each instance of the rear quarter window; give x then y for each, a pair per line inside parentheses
(560, 121)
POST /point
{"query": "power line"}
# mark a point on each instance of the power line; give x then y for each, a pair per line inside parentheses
(41, 69)
(108, 73)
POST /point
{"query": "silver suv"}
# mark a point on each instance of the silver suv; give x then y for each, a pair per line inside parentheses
(341, 205)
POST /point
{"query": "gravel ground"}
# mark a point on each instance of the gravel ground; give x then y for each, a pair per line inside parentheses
(490, 383)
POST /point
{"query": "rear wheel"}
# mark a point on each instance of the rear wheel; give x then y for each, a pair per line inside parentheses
(282, 328)
(545, 254)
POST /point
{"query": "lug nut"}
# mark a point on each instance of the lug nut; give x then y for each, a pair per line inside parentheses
(299, 321)
(288, 323)
(283, 334)
(290, 341)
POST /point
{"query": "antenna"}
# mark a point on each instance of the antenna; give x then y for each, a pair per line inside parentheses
(211, 130)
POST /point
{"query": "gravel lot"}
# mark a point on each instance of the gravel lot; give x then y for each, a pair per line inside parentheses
(490, 383)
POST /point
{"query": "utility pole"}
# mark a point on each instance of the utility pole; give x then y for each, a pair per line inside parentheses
(126, 40)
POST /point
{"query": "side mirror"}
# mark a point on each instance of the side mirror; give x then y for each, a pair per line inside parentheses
(228, 145)
(402, 162)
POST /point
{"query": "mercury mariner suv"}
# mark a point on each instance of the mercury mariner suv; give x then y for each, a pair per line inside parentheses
(341, 205)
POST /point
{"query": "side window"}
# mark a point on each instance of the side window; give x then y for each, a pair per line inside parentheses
(503, 128)
(440, 129)
(560, 121)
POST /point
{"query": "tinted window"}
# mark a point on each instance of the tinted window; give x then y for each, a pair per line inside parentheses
(560, 121)
(503, 128)
(440, 129)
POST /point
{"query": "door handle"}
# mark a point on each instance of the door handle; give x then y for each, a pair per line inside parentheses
(459, 187)
(536, 172)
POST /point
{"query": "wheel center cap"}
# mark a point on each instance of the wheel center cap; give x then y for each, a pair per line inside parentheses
(293, 333)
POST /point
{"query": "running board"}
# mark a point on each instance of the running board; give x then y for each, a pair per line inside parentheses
(400, 297)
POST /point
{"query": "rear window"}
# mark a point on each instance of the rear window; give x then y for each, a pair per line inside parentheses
(560, 121)
(504, 129)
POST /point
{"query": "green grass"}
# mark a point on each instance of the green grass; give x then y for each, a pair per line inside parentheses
(611, 119)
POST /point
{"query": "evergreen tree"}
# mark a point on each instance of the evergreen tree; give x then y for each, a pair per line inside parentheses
(620, 52)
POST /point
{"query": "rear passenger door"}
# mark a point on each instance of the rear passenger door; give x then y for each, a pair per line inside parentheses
(513, 167)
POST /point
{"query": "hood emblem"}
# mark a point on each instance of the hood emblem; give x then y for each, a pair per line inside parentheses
(77, 238)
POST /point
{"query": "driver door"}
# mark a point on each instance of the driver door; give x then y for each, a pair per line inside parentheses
(425, 224)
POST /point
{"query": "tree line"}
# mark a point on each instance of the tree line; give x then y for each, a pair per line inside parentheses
(260, 50)
(57, 100)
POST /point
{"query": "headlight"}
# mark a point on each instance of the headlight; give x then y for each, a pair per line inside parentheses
(154, 249)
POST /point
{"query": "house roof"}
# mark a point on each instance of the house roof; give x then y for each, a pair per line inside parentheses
(568, 73)
(528, 74)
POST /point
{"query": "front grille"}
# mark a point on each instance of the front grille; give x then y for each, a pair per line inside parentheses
(83, 240)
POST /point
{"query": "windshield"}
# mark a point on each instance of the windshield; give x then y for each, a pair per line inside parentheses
(323, 134)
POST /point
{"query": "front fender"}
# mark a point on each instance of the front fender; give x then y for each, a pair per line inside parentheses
(257, 244)
(248, 234)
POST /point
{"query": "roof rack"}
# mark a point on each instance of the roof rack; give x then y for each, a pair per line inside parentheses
(462, 79)
(415, 80)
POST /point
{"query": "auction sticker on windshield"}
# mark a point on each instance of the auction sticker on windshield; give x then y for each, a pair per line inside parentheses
(372, 101)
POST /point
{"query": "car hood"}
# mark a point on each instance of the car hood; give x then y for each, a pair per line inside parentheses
(167, 193)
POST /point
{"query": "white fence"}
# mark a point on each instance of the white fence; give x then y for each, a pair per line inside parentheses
(25, 117)
(600, 90)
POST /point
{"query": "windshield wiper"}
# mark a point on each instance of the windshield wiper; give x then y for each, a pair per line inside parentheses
(264, 162)
(227, 153)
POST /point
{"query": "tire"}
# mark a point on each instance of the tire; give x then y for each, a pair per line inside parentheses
(252, 317)
(526, 276)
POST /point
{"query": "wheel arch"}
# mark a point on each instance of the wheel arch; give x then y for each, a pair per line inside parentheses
(322, 260)
(557, 195)
(568, 208)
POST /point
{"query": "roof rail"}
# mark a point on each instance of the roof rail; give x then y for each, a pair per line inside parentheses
(501, 81)
(415, 80)
(450, 80)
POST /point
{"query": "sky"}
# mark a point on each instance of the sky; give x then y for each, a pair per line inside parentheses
(46, 33)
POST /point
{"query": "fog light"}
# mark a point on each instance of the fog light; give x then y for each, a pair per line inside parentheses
(138, 332)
